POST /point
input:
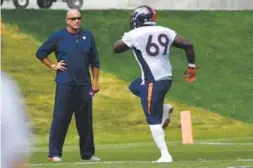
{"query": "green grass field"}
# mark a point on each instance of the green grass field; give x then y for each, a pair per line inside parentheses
(220, 101)
(141, 154)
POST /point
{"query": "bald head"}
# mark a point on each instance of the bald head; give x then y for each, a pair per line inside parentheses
(73, 19)
(73, 13)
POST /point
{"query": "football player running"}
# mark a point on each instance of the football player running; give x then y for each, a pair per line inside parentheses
(151, 44)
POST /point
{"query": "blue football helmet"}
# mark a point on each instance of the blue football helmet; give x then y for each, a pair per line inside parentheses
(143, 16)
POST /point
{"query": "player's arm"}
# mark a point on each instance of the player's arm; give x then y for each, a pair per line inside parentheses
(45, 50)
(119, 47)
(125, 43)
(180, 42)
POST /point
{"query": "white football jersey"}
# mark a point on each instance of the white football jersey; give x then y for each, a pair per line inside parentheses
(151, 47)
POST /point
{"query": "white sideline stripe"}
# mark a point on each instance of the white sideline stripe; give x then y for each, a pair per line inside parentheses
(143, 162)
(131, 145)
(246, 160)
(223, 143)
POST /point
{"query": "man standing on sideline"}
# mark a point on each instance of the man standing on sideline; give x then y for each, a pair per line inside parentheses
(16, 135)
(75, 51)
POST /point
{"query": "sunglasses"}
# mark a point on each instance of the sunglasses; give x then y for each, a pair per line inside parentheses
(75, 18)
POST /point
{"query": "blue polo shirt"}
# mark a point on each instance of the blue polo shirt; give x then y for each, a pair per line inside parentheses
(78, 52)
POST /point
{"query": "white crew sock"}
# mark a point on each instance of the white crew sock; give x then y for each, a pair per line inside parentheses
(159, 138)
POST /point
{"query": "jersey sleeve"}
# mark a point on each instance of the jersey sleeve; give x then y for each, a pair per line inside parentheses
(171, 34)
(47, 47)
(128, 39)
(94, 61)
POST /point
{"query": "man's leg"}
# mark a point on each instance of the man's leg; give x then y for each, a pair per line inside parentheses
(135, 86)
(152, 96)
(84, 121)
(61, 119)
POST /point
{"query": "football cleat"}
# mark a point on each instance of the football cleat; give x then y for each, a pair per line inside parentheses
(164, 159)
(167, 110)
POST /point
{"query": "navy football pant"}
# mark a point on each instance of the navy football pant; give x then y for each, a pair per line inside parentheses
(71, 99)
(152, 98)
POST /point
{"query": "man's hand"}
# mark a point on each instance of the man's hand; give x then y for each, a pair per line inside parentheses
(95, 87)
(190, 74)
(59, 66)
